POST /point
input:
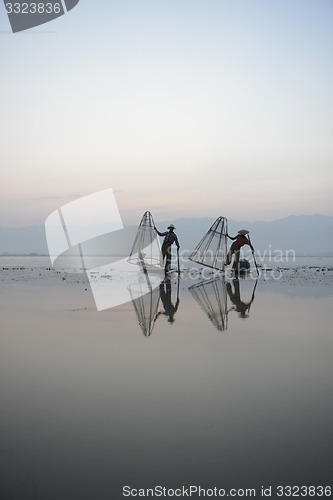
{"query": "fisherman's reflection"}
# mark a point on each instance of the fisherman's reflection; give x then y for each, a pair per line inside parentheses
(170, 308)
(243, 308)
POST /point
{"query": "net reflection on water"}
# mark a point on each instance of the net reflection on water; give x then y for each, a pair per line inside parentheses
(212, 297)
(217, 297)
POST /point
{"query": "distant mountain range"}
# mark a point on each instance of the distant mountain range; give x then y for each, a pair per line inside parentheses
(305, 234)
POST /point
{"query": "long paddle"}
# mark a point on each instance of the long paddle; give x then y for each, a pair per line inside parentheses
(254, 259)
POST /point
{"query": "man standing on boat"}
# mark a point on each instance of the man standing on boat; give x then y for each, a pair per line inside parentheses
(170, 237)
(239, 241)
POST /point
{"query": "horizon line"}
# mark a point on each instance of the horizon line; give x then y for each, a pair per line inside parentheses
(193, 218)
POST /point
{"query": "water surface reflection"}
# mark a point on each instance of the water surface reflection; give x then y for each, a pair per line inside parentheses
(217, 297)
(88, 405)
(211, 295)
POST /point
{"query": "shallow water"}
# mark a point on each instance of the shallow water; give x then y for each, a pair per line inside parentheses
(231, 388)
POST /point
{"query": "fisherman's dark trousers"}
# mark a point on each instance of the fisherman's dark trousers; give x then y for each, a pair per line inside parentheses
(166, 254)
(236, 252)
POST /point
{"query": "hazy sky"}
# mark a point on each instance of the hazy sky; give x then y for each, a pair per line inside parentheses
(183, 107)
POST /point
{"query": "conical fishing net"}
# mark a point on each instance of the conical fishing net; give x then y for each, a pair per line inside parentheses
(211, 251)
(146, 247)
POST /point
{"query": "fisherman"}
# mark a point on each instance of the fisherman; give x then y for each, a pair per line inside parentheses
(169, 238)
(239, 241)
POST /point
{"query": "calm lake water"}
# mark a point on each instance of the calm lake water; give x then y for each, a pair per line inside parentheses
(204, 383)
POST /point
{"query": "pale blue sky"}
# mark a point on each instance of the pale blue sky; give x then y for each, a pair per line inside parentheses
(183, 107)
